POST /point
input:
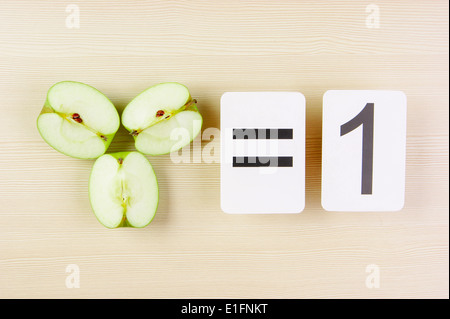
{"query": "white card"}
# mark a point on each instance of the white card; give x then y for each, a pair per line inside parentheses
(363, 150)
(262, 152)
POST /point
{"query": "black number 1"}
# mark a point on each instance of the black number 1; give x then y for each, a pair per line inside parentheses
(364, 118)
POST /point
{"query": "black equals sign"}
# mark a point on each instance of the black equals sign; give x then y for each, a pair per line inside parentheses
(262, 161)
(262, 133)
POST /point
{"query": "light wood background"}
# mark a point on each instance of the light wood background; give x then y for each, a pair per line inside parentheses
(192, 249)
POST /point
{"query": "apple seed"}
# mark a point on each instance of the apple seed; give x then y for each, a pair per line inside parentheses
(76, 117)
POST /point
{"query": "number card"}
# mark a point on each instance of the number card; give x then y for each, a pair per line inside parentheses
(262, 152)
(363, 150)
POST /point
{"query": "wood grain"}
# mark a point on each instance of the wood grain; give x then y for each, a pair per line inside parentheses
(192, 249)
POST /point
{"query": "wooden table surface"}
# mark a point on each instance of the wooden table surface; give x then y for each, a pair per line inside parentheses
(192, 249)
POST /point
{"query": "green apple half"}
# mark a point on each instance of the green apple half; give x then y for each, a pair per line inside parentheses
(123, 190)
(162, 119)
(78, 120)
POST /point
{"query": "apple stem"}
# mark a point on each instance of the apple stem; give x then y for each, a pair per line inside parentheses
(190, 103)
(135, 132)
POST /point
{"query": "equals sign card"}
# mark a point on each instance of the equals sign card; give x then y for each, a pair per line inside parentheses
(262, 152)
(261, 147)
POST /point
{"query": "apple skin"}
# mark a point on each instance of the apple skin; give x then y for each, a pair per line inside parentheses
(192, 107)
(125, 222)
(48, 109)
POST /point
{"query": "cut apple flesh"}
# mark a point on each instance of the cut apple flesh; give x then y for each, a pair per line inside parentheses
(162, 119)
(123, 190)
(78, 120)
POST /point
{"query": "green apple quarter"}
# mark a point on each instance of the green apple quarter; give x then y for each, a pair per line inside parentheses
(123, 190)
(78, 120)
(162, 119)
